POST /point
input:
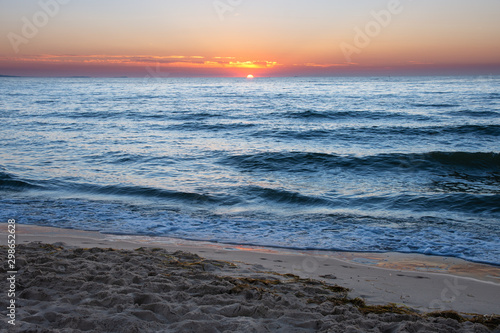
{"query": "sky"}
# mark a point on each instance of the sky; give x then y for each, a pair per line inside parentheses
(212, 38)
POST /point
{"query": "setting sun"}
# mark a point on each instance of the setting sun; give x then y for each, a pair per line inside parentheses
(250, 76)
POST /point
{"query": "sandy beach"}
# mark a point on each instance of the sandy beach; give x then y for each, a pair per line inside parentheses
(71, 281)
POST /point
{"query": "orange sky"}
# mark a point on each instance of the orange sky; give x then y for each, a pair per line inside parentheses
(239, 37)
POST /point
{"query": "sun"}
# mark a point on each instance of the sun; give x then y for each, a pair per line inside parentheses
(250, 76)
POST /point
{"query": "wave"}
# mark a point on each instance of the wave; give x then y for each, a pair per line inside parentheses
(142, 191)
(196, 116)
(90, 114)
(476, 114)
(373, 115)
(311, 162)
(487, 130)
(493, 96)
(12, 183)
(476, 160)
(465, 202)
(45, 102)
(435, 105)
(120, 157)
(9, 182)
(378, 132)
(457, 202)
(197, 126)
(284, 196)
(291, 134)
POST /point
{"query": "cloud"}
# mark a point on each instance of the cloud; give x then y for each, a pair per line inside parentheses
(167, 61)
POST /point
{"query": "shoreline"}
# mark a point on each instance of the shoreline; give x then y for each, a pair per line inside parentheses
(423, 283)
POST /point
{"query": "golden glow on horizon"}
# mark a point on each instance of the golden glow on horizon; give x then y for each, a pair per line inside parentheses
(138, 60)
(250, 76)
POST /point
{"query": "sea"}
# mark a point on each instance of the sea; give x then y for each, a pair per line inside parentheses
(369, 164)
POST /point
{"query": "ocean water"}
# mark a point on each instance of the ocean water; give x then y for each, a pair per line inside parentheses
(406, 164)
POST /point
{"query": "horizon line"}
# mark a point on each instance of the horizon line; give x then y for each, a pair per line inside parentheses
(244, 76)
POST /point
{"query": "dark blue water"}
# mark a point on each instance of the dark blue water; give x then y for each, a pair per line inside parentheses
(357, 164)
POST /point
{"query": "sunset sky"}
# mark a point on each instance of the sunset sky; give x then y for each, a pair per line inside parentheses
(240, 37)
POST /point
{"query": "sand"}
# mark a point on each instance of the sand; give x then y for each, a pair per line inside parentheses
(149, 284)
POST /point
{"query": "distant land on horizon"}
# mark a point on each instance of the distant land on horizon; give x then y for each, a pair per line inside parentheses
(70, 77)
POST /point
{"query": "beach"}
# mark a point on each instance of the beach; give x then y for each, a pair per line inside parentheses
(71, 281)
(250, 166)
